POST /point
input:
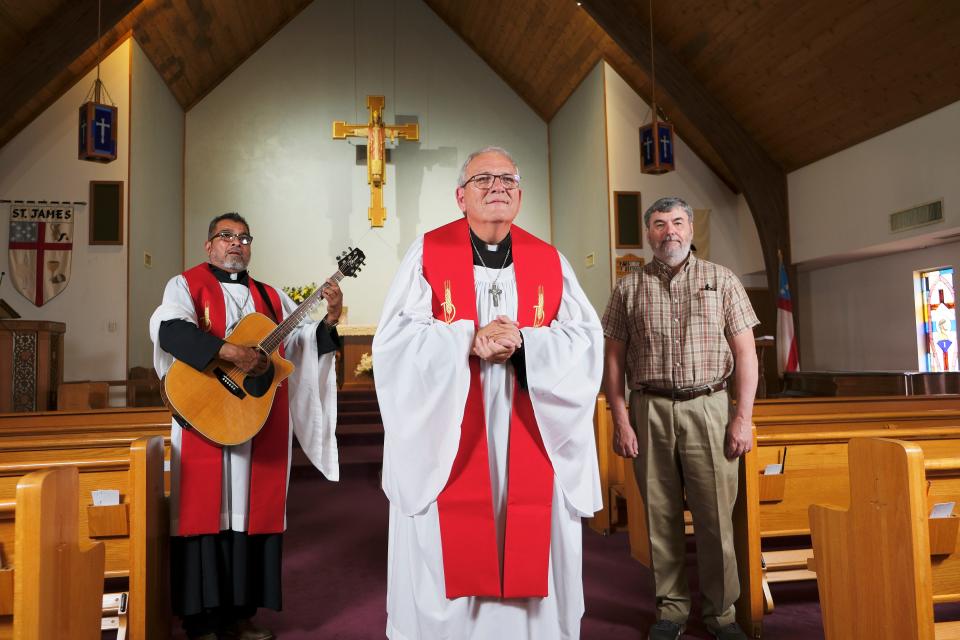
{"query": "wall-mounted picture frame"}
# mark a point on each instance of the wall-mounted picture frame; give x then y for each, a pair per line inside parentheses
(106, 212)
(628, 222)
(627, 264)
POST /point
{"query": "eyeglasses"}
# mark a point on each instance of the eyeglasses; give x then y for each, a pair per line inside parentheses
(230, 236)
(486, 180)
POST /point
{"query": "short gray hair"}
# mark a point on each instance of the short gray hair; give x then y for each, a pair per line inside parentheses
(462, 179)
(230, 215)
(663, 205)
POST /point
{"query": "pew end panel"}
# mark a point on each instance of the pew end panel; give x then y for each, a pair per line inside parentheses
(149, 608)
(867, 590)
(58, 583)
(612, 472)
(751, 604)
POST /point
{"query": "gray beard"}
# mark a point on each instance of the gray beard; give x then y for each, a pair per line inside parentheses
(234, 262)
(673, 258)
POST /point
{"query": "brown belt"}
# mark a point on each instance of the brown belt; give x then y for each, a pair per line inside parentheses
(684, 393)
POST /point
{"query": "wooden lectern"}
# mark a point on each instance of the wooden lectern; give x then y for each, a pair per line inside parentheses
(31, 364)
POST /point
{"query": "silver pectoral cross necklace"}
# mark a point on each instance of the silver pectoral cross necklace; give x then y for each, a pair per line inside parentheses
(494, 289)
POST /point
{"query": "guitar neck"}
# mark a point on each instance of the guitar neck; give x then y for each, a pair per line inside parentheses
(276, 337)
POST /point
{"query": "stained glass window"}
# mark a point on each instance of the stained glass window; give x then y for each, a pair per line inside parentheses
(939, 320)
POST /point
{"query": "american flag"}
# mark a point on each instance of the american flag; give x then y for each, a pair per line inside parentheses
(787, 358)
(23, 231)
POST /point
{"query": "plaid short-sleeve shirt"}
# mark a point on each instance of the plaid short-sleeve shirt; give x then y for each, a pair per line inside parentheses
(676, 328)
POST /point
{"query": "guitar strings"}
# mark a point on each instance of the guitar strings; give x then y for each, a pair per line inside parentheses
(268, 347)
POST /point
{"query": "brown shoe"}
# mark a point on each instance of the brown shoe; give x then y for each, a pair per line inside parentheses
(246, 630)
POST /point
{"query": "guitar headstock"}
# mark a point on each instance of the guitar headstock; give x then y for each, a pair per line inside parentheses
(350, 261)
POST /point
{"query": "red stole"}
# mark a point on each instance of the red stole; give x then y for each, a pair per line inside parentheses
(468, 536)
(201, 461)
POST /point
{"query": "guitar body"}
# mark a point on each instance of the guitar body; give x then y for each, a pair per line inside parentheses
(221, 402)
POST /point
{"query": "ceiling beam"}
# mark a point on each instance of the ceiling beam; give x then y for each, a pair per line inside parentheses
(762, 181)
(43, 72)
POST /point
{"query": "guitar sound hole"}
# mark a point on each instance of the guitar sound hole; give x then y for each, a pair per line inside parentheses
(257, 386)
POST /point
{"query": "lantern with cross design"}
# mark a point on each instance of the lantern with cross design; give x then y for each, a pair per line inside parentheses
(656, 147)
(98, 132)
(97, 135)
(656, 138)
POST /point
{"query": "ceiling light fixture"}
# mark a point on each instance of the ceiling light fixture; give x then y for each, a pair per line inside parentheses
(98, 120)
(656, 138)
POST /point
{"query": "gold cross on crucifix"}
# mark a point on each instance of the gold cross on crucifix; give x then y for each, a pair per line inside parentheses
(376, 133)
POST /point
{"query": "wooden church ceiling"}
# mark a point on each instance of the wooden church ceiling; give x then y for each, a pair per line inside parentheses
(803, 79)
(46, 46)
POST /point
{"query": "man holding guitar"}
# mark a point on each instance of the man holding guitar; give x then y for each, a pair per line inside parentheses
(229, 481)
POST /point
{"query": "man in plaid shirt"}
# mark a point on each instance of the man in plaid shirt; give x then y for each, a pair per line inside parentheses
(677, 330)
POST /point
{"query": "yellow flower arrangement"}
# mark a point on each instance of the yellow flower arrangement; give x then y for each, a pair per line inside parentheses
(301, 293)
(365, 366)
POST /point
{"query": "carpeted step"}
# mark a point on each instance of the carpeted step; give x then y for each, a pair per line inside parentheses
(349, 406)
(360, 429)
(359, 417)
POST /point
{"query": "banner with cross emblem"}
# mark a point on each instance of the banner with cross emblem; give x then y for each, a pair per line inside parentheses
(41, 248)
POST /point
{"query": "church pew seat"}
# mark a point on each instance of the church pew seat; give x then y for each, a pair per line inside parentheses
(816, 473)
(769, 407)
(58, 577)
(84, 421)
(83, 395)
(134, 534)
(879, 571)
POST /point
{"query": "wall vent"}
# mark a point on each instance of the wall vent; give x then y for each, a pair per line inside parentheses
(929, 213)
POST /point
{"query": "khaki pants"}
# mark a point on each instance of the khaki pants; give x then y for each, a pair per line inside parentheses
(681, 453)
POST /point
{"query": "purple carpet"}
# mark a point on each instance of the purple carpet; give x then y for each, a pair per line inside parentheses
(335, 554)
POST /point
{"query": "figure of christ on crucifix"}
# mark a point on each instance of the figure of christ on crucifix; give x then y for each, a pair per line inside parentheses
(376, 133)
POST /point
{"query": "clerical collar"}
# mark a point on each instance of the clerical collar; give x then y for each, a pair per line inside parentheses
(226, 277)
(493, 255)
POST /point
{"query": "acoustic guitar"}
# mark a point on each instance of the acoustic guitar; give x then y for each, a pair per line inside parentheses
(223, 403)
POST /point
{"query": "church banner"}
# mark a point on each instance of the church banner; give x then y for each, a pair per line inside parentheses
(41, 248)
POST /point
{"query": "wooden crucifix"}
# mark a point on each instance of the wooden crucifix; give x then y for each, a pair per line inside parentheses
(376, 134)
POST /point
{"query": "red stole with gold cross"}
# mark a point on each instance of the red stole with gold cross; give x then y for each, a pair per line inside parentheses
(201, 461)
(471, 563)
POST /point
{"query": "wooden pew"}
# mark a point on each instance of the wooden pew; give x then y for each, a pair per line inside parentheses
(611, 470)
(816, 472)
(134, 533)
(882, 564)
(58, 579)
(104, 421)
(853, 404)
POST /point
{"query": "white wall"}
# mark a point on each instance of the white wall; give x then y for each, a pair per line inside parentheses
(260, 143)
(41, 163)
(734, 242)
(156, 198)
(861, 315)
(842, 203)
(578, 185)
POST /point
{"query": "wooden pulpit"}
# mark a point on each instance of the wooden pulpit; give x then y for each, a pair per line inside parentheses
(31, 364)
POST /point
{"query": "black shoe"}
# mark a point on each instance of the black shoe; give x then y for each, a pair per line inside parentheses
(731, 631)
(665, 630)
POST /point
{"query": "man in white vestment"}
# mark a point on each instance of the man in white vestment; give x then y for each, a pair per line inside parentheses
(488, 362)
(228, 503)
